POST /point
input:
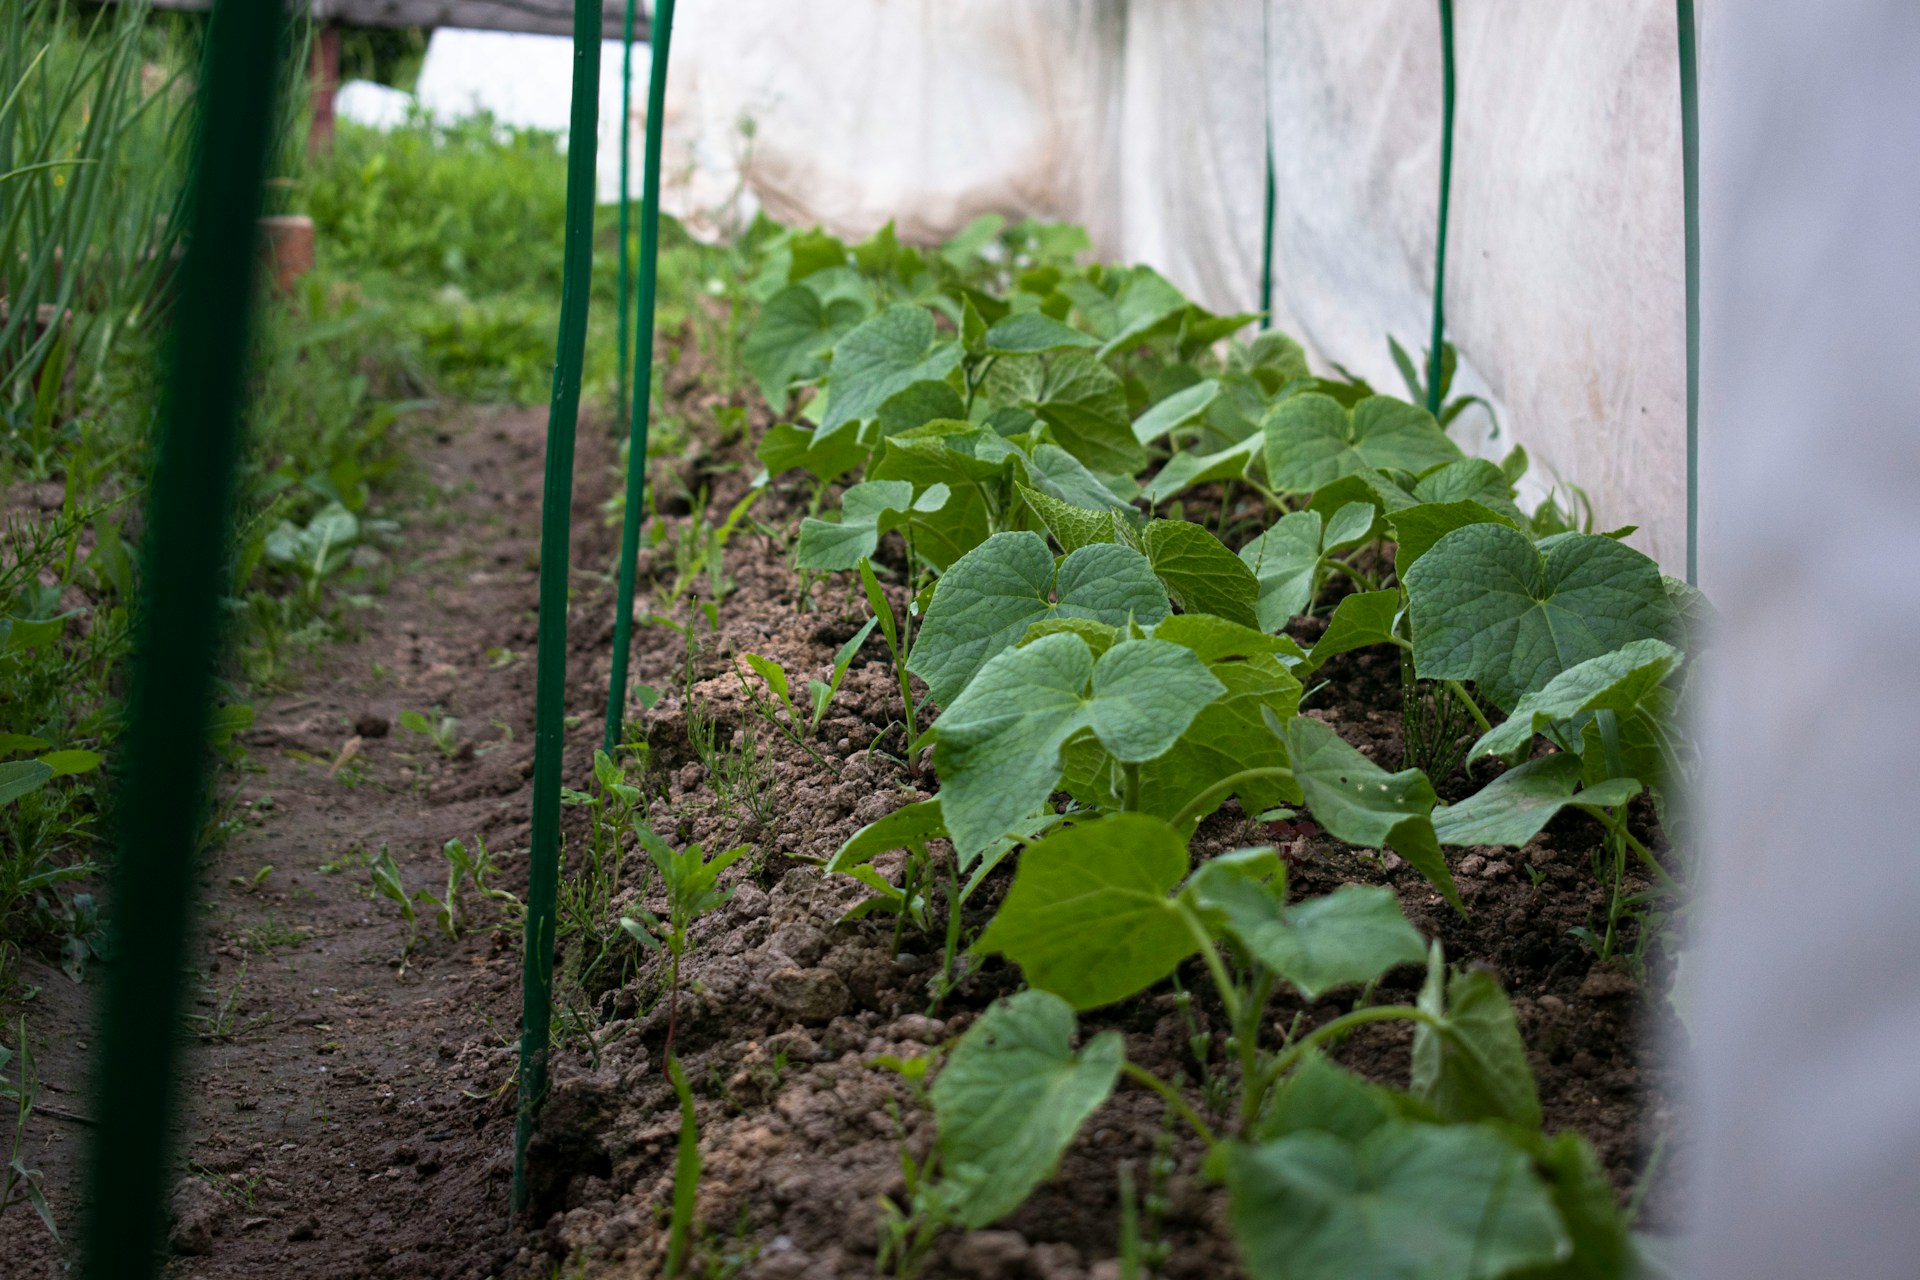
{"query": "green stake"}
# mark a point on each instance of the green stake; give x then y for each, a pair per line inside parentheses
(556, 510)
(626, 186)
(1266, 116)
(159, 809)
(1690, 165)
(1446, 183)
(660, 33)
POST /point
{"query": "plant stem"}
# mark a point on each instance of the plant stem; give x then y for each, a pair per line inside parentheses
(1339, 1027)
(1473, 708)
(673, 1015)
(1248, 1033)
(1641, 851)
(1130, 798)
(1216, 968)
(1201, 803)
(1140, 1075)
(1360, 576)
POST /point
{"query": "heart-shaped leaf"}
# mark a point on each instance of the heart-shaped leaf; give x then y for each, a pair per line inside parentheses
(999, 740)
(991, 595)
(884, 354)
(1490, 607)
(1409, 1201)
(1089, 917)
(1312, 440)
(1011, 1098)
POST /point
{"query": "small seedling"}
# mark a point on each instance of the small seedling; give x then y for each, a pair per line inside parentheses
(223, 1024)
(387, 883)
(897, 637)
(691, 883)
(19, 1184)
(440, 730)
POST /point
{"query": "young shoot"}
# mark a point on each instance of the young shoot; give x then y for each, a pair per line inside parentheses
(690, 881)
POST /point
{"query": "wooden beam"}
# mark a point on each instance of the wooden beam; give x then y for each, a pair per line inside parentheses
(532, 17)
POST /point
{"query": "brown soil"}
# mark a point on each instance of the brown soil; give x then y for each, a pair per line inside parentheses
(355, 1118)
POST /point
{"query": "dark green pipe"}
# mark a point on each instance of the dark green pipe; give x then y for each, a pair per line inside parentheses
(1446, 185)
(626, 264)
(660, 33)
(1690, 166)
(556, 512)
(1266, 117)
(160, 806)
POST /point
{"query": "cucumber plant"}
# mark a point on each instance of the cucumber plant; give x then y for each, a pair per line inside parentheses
(1107, 673)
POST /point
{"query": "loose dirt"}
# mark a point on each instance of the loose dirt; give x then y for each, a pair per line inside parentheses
(350, 1114)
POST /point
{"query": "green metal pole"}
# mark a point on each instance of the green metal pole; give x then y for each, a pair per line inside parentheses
(550, 669)
(160, 808)
(1446, 185)
(1266, 115)
(626, 188)
(660, 34)
(1690, 165)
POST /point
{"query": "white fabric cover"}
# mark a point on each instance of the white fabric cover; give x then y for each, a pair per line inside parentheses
(1806, 1011)
(1141, 119)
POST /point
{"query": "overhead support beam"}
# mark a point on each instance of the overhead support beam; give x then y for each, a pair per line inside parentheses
(532, 17)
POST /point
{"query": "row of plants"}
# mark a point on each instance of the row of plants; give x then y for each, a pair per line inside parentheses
(95, 109)
(1111, 511)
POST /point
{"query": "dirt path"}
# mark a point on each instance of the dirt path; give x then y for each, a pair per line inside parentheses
(347, 1116)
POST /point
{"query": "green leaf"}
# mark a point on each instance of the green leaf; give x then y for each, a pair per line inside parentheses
(1618, 681)
(785, 447)
(1470, 480)
(991, 595)
(66, 763)
(1473, 1066)
(1185, 470)
(1072, 527)
(1408, 1202)
(1320, 1096)
(1286, 561)
(18, 777)
(1176, 410)
(1086, 405)
(1374, 488)
(1026, 333)
(1359, 802)
(1488, 606)
(1350, 523)
(867, 510)
(971, 462)
(1279, 356)
(1011, 1098)
(18, 743)
(793, 334)
(1229, 735)
(1216, 639)
(1312, 440)
(1352, 935)
(999, 740)
(1416, 529)
(1583, 1193)
(1145, 303)
(1199, 572)
(1089, 917)
(908, 827)
(1361, 619)
(1059, 474)
(1513, 808)
(1287, 557)
(882, 356)
(918, 404)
